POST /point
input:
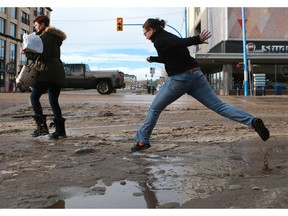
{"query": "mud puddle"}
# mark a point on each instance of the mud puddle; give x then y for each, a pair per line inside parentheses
(124, 194)
(162, 190)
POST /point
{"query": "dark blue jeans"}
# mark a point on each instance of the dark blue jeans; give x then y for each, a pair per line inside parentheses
(53, 93)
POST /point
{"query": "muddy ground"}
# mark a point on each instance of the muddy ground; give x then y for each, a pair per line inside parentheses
(198, 159)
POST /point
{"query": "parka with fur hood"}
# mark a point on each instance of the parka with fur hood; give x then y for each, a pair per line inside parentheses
(52, 40)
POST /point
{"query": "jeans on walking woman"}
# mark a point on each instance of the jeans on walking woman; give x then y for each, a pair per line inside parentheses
(53, 90)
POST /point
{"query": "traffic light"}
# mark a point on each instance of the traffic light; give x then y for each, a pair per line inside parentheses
(119, 23)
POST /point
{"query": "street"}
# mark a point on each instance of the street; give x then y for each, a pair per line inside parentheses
(198, 159)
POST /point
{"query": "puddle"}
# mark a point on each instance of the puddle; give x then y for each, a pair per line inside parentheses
(165, 190)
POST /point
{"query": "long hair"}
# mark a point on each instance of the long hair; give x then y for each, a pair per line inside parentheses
(42, 19)
(155, 24)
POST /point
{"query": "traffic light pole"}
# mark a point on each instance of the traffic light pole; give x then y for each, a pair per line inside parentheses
(245, 53)
(166, 25)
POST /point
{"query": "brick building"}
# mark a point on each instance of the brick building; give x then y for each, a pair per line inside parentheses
(14, 22)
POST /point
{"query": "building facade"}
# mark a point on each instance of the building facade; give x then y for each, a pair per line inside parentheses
(14, 22)
(222, 59)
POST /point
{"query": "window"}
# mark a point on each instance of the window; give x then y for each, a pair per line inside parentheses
(13, 12)
(216, 80)
(22, 33)
(2, 54)
(2, 25)
(13, 29)
(3, 10)
(25, 18)
(23, 59)
(12, 57)
(39, 11)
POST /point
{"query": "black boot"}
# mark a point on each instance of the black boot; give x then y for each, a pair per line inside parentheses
(60, 129)
(42, 128)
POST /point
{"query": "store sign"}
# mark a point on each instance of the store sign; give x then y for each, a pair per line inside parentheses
(251, 47)
(274, 48)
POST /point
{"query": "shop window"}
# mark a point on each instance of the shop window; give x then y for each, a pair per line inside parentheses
(216, 80)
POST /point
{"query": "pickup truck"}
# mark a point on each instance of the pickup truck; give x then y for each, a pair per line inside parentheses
(79, 75)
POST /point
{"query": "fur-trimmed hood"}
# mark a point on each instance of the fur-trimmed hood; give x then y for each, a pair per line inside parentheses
(56, 32)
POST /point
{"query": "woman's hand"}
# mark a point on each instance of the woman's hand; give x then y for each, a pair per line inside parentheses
(204, 36)
(148, 59)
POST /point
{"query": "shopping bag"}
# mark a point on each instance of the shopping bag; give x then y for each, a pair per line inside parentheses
(27, 77)
(29, 73)
(32, 43)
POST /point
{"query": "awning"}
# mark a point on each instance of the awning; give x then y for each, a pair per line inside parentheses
(208, 61)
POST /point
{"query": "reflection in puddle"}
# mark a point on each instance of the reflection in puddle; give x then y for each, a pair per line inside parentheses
(169, 184)
(115, 196)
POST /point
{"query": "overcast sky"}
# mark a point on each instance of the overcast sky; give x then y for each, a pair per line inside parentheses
(92, 37)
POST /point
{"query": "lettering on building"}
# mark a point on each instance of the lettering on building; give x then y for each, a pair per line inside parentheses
(274, 48)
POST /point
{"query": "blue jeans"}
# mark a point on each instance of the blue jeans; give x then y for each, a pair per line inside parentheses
(53, 94)
(196, 85)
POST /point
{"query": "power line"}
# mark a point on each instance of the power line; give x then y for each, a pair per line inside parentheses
(113, 19)
(100, 44)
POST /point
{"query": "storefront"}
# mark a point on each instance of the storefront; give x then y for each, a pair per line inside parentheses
(223, 65)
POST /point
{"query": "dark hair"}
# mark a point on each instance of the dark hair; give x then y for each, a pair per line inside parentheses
(42, 19)
(156, 24)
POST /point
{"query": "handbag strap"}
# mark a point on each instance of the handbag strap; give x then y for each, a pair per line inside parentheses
(37, 58)
(33, 63)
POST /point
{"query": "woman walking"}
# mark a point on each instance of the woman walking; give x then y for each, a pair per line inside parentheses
(51, 79)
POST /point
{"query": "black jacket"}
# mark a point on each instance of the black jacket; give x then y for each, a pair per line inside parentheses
(52, 39)
(173, 51)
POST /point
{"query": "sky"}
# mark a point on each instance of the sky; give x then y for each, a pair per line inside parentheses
(92, 37)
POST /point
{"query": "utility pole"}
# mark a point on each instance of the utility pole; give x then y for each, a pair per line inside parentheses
(245, 52)
(186, 22)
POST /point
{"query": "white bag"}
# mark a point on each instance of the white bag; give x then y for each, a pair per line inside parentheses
(32, 43)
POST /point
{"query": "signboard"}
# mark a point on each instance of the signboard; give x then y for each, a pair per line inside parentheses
(152, 71)
(259, 80)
